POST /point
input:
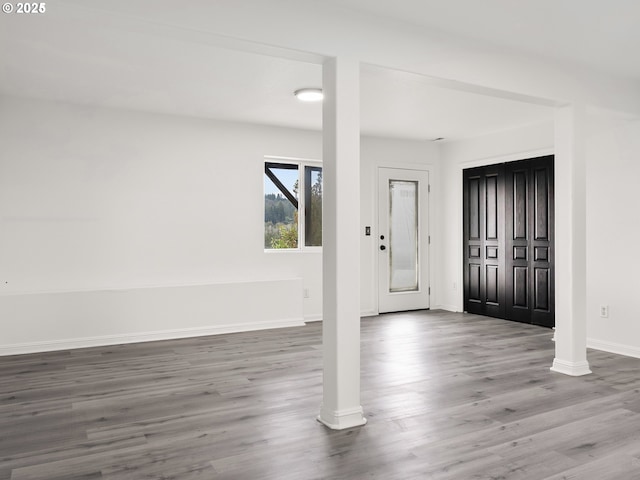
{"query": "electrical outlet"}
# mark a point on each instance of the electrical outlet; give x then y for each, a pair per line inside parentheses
(306, 293)
(604, 311)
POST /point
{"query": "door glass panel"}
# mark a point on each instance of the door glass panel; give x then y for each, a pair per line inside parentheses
(403, 236)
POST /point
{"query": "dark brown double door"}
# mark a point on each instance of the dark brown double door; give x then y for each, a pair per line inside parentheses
(508, 241)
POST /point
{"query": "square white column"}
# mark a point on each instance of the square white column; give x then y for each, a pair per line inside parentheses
(341, 245)
(571, 242)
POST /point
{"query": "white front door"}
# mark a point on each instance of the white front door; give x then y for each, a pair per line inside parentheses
(403, 239)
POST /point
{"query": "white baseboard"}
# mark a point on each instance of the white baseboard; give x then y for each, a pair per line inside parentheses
(574, 369)
(342, 419)
(318, 318)
(70, 344)
(612, 347)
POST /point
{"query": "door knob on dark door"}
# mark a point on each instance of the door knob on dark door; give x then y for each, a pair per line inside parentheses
(382, 247)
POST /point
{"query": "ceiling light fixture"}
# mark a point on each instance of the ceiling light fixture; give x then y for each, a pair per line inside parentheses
(309, 94)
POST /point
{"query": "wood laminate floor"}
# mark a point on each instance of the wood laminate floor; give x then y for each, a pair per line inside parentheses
(447, 396)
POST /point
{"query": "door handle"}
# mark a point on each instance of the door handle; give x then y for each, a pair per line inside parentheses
(382, 247)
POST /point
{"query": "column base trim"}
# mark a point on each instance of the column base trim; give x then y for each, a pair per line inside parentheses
(341, 419)
(574, 369)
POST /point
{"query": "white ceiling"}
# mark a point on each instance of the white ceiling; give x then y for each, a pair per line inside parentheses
(603, 35)
(406, 105)
(70, 56)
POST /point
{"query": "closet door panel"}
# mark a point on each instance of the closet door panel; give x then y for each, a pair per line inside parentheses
(483, 219)
(542, 243)
(508, 241)
(473, 221)
(518, 226)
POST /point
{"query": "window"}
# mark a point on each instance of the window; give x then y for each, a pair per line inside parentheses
(291, 188)
(313, 206)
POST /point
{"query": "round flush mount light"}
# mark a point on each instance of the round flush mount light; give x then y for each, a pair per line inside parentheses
(309, 94)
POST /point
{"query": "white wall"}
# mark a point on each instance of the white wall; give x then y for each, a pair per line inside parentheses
(106, 214)
(98, 205)
(613, 229)
(95, 200)
(505, 146)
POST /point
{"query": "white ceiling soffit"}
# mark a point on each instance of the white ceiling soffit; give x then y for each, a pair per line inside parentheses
(594, 33)
(83, 58)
